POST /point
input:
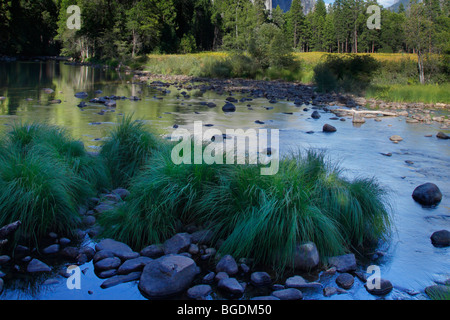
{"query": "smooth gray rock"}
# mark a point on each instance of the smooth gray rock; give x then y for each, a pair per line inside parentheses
(177, 244)
(153, 251)
(343, 263)
(345, 281)
(100, 255)
(108, 263)
(221, 275)
(119, 279)
(36, 266)
(228, 265)
(53, 249)
(427, 194)
(202, 237)
(385, 288)
(229, 107)
(4, 259)
(122, 193)
(299, 282)
(119, 249)
(315, 115)
(167, 276)
(441, 238)
(306, 256)
(259, 279)
(231, 286)
(209, 278)
(199, 292)
(288, 294)
(328, 128)
(133, 265)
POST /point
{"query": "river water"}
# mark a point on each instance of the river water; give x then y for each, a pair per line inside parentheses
(410, 261)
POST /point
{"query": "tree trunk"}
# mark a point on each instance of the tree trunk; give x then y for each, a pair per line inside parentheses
(420, 64)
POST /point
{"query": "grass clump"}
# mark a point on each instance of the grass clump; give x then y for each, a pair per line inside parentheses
(260, 217)
(128, 148)
(44, 177)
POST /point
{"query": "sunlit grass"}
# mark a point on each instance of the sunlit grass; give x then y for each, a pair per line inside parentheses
(430, 93)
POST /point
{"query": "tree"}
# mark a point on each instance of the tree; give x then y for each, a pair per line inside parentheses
(418, 29)
(296, 22)
(317, 22)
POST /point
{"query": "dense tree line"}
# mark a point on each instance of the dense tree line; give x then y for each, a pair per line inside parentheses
(121, 29)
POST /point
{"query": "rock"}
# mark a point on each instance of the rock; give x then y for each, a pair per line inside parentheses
(133, 265)
(358, 118)
(209, 278)
(221, 275)
(306, 256)
(153, 251)
(107, 264)
(329, 291)
(441, 238)
(100, 255)
(199, 292)
(193, 249)
(328, 128)
(385, 288)
(344, 263)
(110, 103)
(119, 249)
(442, 135)
(36, 266)
(245, 268)
(89, 221)
(122, 193)
(229, 107)
(54, 248)
(107, 273)
(64, 241)
(396, 138)
(228, 265)
(70, 253)
(438, 292)
(102, 208)
(119, 279)
(9, 229)
(345, 281)
(55, 101)
(231, 286)
(177, 244)
(299, 282)
(288, 294)
(260, 279)
(1, 285)
(167, 276)
(315, 115)
(4, 259)
(427, 194)
(48, 90)
(81, 95)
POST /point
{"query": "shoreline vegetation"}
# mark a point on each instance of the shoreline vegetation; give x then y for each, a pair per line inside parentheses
(51, 175)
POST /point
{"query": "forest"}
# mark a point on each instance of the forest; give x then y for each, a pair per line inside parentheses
(122, 29)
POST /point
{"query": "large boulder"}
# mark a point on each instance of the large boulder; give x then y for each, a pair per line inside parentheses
(167, 276)
(427, 194)
(306, 256)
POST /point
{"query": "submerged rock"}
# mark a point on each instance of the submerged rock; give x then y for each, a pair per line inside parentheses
(442, 135)
(384, 288)
(427, 194)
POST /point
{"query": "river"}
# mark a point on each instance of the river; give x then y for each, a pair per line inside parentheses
(410, 261)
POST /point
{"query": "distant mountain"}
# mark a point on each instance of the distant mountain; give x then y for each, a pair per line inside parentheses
(285, 5)
(395, 6)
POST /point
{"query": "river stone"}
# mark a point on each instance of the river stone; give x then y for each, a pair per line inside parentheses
(119, 249)
(385, 288)
(133, 265)
(229, 107)
(177, 244)
(299, 282)
(54, 248)
(315, 115)
(228, 265)
(259, 279)
(344, 263)
(153, 251)
(119, 279)
(4, 259)
(167, 276)
(328, 128)
(396, 138)
(102, 208)
(442, 135)
(288, 294)
(209, 278)
(81, 95)
(48, 90)
(231, 286)
(329, 291)
(265, 298)
(199, 292)
(221, 275)
(441, 238)
(358, 118)
(345, 280)
(107, 273)
(427, 194)
(36, 265)
(108, 264)
(70, 253)
(100, 255)
(306, 256)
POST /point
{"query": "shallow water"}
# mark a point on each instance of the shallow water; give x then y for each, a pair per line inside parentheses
(410, 261)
